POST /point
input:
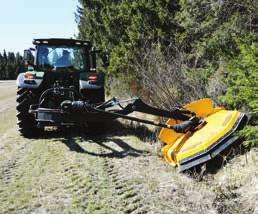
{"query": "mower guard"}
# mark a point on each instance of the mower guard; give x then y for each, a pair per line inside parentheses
(186, 150)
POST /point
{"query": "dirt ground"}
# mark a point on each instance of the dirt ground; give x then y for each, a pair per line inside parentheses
(119, 171)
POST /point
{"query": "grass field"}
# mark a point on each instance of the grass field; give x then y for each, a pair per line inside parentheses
(119, 171)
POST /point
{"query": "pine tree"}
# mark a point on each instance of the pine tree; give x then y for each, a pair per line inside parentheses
(10, 65)
(4, 65)
(126, 27)
(1, 66)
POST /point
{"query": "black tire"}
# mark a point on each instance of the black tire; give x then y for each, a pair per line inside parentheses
(27, 125)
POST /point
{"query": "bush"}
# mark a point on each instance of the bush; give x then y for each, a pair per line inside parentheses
(242, 86)
(164, 80)
(250, 133)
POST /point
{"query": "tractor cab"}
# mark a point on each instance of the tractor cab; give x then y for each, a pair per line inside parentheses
(61, 55)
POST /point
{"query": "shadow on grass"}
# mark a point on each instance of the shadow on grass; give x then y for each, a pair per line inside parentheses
(105, 150)
(113, 128)
(76, 137)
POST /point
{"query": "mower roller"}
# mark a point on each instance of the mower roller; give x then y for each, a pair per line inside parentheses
(66, 90)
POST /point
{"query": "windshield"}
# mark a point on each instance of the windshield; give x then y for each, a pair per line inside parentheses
(61, 57)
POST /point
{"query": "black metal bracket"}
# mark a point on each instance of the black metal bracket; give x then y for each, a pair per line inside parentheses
(81, 111)
(188, 119)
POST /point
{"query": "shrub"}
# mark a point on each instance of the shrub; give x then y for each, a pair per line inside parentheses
(242, 86)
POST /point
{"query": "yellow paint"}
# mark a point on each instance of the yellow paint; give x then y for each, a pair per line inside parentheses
(180, 146)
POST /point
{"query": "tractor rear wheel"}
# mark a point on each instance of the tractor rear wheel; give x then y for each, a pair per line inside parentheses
(27, 125)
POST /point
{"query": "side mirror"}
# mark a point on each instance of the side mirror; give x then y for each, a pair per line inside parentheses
(28, 57)
(103, 55)
(105, 60)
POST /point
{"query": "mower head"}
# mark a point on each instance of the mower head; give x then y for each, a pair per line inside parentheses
(186, 150)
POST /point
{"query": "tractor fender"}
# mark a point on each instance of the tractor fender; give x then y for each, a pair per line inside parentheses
(89, 85)
(93, 84)
(22, 82)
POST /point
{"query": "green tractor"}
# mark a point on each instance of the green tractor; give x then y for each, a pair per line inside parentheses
(58, 70)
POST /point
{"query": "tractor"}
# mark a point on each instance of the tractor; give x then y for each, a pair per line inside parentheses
(66, 65)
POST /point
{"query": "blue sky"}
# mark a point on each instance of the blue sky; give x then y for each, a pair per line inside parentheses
(23, 20)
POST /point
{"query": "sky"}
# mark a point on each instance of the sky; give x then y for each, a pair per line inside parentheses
(23, 20)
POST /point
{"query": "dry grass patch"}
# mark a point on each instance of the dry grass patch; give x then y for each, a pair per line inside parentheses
(7, 121)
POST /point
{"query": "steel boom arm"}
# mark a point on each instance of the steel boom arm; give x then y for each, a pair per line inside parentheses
(188, 118)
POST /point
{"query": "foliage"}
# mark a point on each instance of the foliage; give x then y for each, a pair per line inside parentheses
(242, 87)
(153, 71)
(219, 48)
(123, 27)
(209, 27)
(242, 79)
(10, 65)
(250, 134)
(208, 38)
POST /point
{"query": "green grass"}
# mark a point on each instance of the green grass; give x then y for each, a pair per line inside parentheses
(70, 172)
(7, 120)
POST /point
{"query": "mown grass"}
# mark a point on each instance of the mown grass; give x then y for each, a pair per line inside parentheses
(7, 91)
(51, 176)
(35, 179)
(7, 120)
(67, 172)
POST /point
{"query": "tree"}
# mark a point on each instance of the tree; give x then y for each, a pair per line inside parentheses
(242, 82)
(125, 27)
(10, 65)
(1, 66)
(242, 78)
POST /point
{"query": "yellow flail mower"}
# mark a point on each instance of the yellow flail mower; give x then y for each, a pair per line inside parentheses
(203, 142)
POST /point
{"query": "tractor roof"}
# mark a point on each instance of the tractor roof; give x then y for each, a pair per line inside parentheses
(59, 41)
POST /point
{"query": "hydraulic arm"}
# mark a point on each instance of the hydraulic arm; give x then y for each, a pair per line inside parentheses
(82, 111)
